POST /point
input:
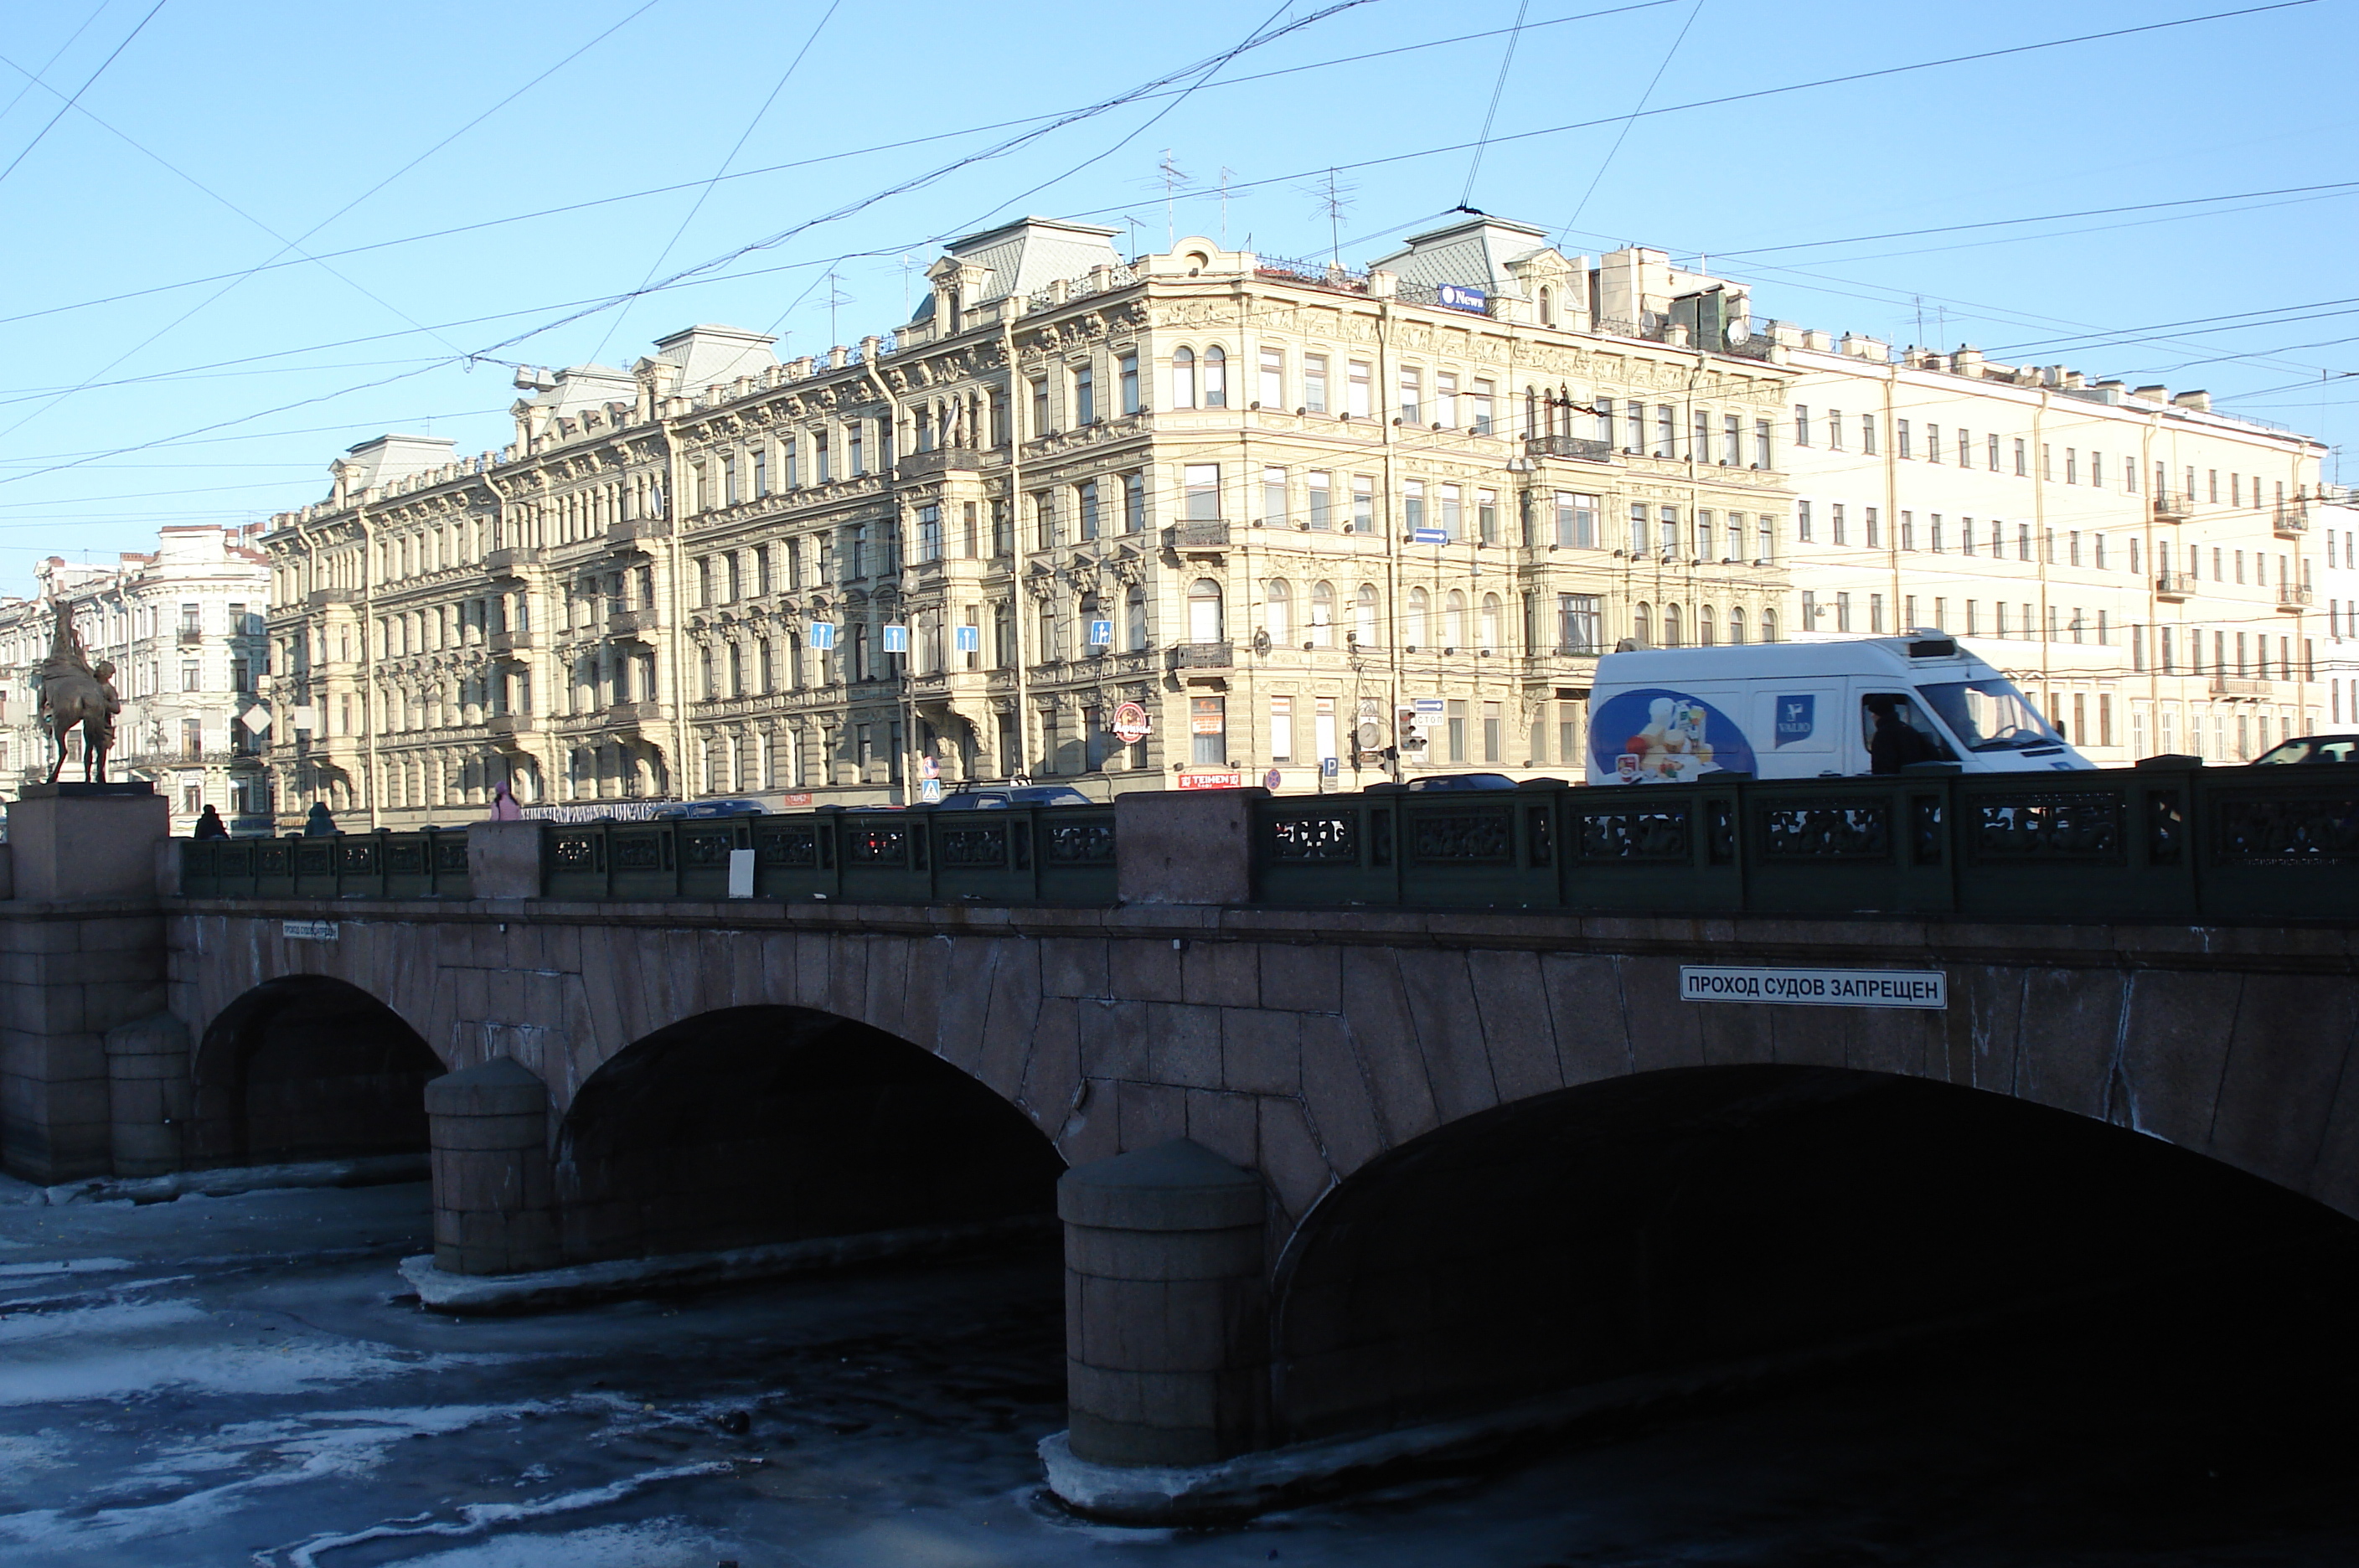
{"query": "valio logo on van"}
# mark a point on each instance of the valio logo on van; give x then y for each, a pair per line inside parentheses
(1796, 717)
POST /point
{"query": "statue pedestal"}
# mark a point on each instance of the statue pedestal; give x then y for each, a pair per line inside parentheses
(86, 841)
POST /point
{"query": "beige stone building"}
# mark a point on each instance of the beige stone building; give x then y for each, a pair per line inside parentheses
(1292, 512)
(183, 625)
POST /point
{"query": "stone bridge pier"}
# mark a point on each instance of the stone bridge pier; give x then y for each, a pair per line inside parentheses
(1336, 1186)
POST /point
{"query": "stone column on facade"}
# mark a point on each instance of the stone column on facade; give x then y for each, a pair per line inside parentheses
(494, 1202)
(149, 1095)
(1166, 1307)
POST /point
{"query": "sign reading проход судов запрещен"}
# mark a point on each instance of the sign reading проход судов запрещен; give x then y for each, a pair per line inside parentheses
(1922, 988)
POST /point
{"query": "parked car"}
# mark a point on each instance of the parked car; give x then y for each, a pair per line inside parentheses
(689, 809)
(1462, 781)
(2312, 748)
(999, 797)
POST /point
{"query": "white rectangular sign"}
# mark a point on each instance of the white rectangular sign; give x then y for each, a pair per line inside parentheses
(741, 873)
(310, 930)
(1923, 988)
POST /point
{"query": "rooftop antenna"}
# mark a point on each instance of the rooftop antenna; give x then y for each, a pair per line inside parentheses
(908, 264)
(836, 300)
(1225, 172)
(1333, 196)
(1173, 178)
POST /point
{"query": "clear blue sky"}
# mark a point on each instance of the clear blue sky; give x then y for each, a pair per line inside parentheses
(368, 123)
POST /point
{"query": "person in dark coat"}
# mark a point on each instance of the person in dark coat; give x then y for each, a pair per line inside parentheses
(319, 824)
(210, 825)
(1896, 743)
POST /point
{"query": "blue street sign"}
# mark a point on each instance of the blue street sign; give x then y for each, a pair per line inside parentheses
(1458, 296)
(1329, 767)
(823, 635)
(896, 639)
(1428, 535)
(970, 639)
(1101, 634)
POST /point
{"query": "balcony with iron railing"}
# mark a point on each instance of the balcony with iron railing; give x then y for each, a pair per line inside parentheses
(2238, 686)
(2293, 598)
(1197, 533)
(2290, 521)
(2174, 585)
(1203, 655)
(2172, 507)
(1578, 449)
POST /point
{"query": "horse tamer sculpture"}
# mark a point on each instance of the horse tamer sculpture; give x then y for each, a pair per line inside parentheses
(73, 693)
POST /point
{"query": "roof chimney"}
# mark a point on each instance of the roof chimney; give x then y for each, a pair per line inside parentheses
(2199, 400)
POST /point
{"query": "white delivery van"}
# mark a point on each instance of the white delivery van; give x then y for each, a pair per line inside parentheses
(1807, 710)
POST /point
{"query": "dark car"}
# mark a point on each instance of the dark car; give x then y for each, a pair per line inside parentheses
(1462, 781)
(2312, 748)
(999, 797)
(699, 810)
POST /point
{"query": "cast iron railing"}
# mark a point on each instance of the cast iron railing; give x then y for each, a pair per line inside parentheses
(2122, 844)
(430, 865)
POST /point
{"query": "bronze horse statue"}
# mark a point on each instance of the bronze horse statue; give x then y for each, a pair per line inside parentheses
(72, 693)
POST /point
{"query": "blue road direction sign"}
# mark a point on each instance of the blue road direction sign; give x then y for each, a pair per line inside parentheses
(1428, 535)
(1101, 634)
(970, 639)
(896, 639)
(823, 635)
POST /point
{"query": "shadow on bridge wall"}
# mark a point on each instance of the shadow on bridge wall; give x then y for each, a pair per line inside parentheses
(1699, 1216)
(766, 1124)
(304, 1068)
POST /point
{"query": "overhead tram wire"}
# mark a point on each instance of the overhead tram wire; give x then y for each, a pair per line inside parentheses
(801, 163)
(239, 278)
(1491, 115)
(1880, 73)
(56, 55)
(1632, 118)
(705, 190)
(27, 150)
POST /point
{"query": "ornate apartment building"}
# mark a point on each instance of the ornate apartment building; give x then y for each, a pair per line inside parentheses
(183, 626)
(1327, 525)
(1291, 512)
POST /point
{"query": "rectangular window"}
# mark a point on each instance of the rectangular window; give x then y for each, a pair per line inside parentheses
(856, 442)
(1604, 419)
(1359, 391)
(1965, 449)
(2071, 465)
(1993, 449)
(1412, 398)
(2022, 541)
(1576, 520)
(1732, 442)
(822, 464)
(1485, 407)
(1314, 383)
(1761, 445)
(1579, 623)
(1867, 434)
(1364, 504)
(1128, 366)
(1445, 401)
(1412, 505)
(1836, 430)
(1836, 521)
(1040, 408)
(1933, 528)
(1085, 502)
(1282, 729)
(1272, 391)
(1319, 486)
(2046, 464)
(1932, 443)
(1802, 521)
(1201, 483)
(1494, 731)
(1451, 512)
(1700, 436)
(1638, 528)
(2022, 470)
(1486, 516)
(1908, 530)
(1456, 714)
(2097, 469)
(761, 471)
(2073, 545)
(1208, 730)
(1900, 438)
(1085, 395)
(1801, 424)
(1842, 612)
(1273, 497)
(1666, 431)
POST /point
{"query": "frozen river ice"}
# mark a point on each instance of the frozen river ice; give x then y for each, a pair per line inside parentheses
(240, 1381)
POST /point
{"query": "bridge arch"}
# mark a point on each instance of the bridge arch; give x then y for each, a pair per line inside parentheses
(754, 1124)
(308, 1067)
(1692, 1217)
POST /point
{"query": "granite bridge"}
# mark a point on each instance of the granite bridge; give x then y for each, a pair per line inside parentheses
(1362, 1115)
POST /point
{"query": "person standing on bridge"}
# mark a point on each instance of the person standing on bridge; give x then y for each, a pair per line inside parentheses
(503, 805)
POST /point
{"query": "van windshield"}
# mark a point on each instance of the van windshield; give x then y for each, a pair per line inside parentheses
(1989, 715)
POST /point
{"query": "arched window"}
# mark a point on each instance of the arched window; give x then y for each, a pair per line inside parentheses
(1183, 378)
(1705, 635)
(1736, 625)
(1642, 626)
(1674, 633)
(1486, 629)
(1420, 602)
(1136, 615)
(1279, 616)
(1454, 620)
(1323, 613)
(1768, 625)
(1365, 628)
(1216, 377)
(1547, 306)
(1204, 611)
